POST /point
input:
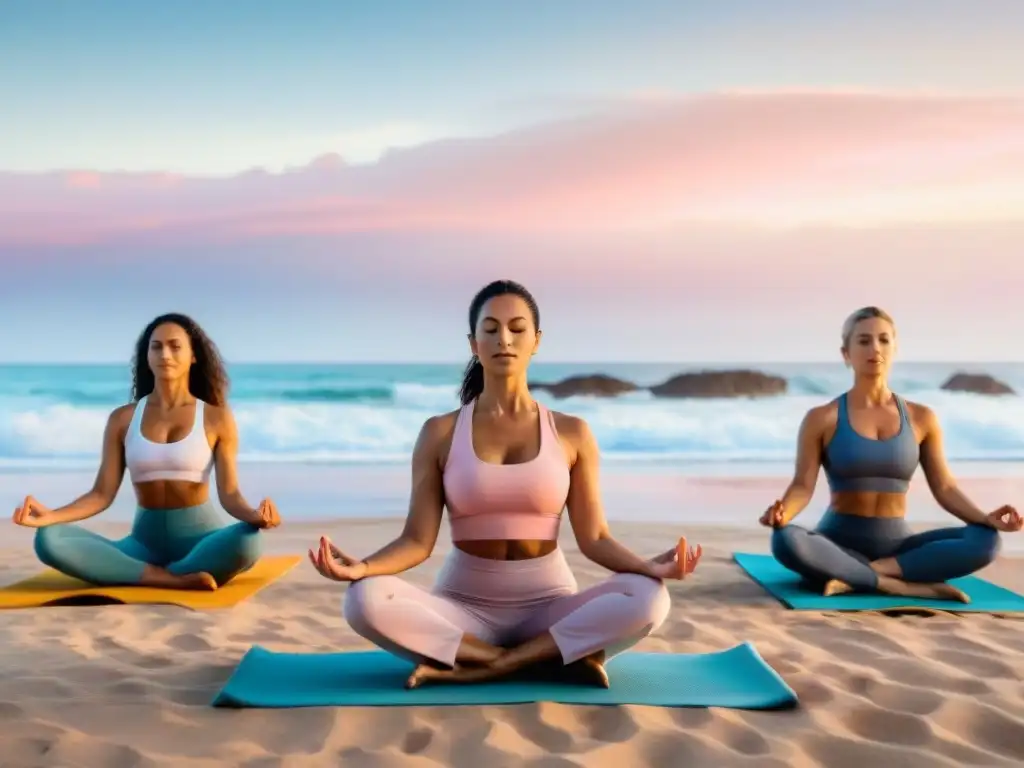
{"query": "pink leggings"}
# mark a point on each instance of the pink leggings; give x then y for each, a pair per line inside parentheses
(505, 603)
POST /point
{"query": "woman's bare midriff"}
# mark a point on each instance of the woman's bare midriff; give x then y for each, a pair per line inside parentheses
(171, 494)
(870, 504)
(497, 549)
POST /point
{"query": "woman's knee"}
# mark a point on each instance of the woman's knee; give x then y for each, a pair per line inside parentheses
(364, 600)
(650, 598)
(785, 544)
(987, 543)
(248, 543)
(47, 543)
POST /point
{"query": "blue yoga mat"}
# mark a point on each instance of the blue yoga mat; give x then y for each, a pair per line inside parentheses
(738, 678)
(787, 587)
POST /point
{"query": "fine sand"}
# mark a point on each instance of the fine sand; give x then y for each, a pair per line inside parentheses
(130, 685)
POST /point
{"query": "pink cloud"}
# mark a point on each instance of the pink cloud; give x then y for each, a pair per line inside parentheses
(83, 180)
(651, 164)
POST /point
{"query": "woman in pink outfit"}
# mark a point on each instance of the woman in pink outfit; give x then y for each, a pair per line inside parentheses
(505, 467)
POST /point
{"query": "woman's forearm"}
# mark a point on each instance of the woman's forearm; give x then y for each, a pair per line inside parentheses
(610, 554)
(954, 501)
(236, 506)
(795, 500)
(85, 506)
(400, 555)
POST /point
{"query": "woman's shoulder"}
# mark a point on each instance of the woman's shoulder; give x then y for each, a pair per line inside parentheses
(437, 430)
(921, 415)
(214, 414)
(435, 438)
(823, 416)
(573, 428)
(122, 415)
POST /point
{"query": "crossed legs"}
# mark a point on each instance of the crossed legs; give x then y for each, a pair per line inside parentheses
(212, 561)
(451, 641)
(918, 566)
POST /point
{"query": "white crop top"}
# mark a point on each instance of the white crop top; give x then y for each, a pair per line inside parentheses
(189, 459)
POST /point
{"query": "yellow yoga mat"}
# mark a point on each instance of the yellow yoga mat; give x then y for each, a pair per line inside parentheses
(52, 587)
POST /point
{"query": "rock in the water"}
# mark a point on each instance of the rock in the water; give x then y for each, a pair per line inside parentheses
(592, 385)
(739, 383)
(978, 383)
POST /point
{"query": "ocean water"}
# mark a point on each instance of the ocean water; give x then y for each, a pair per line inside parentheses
(52, 417)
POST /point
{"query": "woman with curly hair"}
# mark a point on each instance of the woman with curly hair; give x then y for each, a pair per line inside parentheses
(176, 429)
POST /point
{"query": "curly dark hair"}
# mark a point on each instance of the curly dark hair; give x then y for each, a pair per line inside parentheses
(208, 377)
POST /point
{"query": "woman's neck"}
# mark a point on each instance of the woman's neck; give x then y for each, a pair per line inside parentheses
(171, 394)
(505, 396)
(871, 390)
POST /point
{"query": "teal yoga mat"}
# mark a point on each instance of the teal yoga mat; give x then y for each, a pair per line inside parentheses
(738, 678)
(786, 586)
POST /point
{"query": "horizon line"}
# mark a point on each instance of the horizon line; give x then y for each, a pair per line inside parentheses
(285, 363)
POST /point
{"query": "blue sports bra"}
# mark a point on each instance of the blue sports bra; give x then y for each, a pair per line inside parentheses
(853, 462)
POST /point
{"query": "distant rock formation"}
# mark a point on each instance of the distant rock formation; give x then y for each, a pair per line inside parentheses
(591, 385)
(736, 383)
(977, 383)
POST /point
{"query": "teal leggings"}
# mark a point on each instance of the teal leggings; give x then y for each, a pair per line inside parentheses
(188, 540)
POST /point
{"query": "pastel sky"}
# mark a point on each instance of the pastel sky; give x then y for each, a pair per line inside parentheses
(332, 181)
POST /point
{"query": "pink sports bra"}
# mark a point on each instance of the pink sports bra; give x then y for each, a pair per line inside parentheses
(505, 501)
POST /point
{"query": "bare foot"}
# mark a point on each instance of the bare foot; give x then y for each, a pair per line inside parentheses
(836, 587)
(949, 592)
(425, 673)
(161, 579)
(940, 591)
(590, 670)
(201, 581)
(887, 566)
(421, 674)
(474, 652)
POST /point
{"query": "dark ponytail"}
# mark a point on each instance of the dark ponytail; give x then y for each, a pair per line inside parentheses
(472, 381)
(473, 378)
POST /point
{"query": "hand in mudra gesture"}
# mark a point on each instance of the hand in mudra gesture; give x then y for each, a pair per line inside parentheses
(1006, 519)
(32, 514)
(332, 563)
(773, 517)
(676, 563)
(267, 515)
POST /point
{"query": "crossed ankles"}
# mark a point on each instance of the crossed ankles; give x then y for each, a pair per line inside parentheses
(889, 585)
(152, 576)
(587, 671)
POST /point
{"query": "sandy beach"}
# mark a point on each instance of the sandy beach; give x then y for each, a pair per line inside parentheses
(689, 227)
(117, 686)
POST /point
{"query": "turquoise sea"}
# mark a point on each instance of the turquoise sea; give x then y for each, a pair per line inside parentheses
(52, 416)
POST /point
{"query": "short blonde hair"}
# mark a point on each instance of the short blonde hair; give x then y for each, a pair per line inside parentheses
(864, 313)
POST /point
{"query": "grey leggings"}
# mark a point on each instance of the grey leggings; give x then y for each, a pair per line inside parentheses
(843, 546)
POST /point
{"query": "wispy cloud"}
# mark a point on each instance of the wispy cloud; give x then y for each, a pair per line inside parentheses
(650, 164)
